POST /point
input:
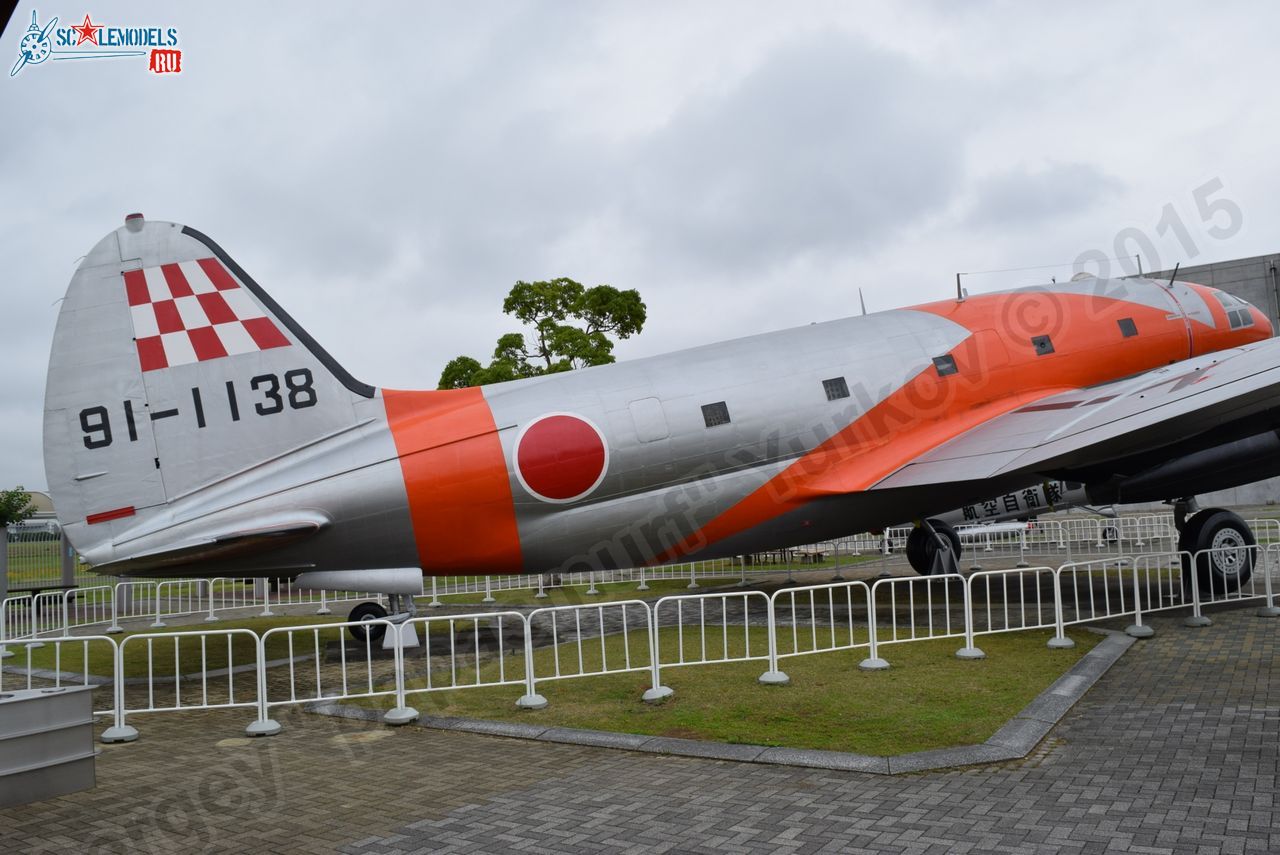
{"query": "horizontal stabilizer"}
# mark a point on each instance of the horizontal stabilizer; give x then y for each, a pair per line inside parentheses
(201, 557)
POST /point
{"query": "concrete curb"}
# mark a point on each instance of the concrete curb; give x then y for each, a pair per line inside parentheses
(1014, 740)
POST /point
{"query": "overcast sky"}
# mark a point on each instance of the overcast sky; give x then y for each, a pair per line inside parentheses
(746, 166)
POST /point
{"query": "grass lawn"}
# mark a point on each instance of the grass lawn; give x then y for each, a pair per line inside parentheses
(188, 648)
(927, 699)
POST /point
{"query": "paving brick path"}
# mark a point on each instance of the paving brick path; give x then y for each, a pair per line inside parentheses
(1175, 750)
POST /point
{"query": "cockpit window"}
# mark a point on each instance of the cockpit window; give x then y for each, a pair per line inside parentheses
(1238, 313)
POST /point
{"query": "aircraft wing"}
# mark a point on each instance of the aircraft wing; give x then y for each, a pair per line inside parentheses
(1087, 427)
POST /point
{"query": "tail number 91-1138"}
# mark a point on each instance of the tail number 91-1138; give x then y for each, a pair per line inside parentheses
(269, 394)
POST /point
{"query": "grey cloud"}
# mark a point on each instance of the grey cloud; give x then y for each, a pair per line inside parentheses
(827, 144)
(1021, 198)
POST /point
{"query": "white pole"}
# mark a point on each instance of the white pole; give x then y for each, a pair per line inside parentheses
(1137, 629)
(970, 650)
(657, 691)
(263, 725)
(115, 610)
(401, 714)
(1195, 618)
(120, 732)
(772, 677)
(873, 662)
(212, 617)
(156, 592)
(488, 590)
(531, 700)
(1060, 639)
(264, 585)
(435, 596)
(1269, 610)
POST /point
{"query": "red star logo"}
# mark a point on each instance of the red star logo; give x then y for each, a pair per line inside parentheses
(87, 32)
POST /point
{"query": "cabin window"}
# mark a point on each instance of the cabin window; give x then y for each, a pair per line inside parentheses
(715, 414)
(1043, 344)
(835, 388)
(1127, 327)
(946, 364)
(1238, 314)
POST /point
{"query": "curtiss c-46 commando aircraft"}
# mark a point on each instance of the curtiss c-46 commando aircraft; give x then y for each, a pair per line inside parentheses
(193, 428)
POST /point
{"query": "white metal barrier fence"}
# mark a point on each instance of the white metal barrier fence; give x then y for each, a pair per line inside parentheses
(237, 668)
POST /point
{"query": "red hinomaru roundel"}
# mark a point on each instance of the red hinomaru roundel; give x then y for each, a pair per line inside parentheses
(561, 457)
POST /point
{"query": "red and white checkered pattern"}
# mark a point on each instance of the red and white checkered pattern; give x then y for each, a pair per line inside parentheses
(194, 311)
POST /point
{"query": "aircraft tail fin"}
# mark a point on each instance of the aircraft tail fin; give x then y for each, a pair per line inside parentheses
(172, 372)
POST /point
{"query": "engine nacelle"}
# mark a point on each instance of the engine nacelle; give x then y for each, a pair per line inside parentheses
(1219, 467)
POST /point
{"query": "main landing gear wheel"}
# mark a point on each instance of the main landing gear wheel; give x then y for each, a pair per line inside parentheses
(1229, 563)
(368, 611)
(923, 548)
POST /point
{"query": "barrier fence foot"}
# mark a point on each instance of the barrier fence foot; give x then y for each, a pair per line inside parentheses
(1268, 611)
(541, 595)
(408, 637)
(399, 716)
(435, 604)
(114, 630)
(1139, 630)
(970, 653)
(33, 645)
(652, 696)
(775, 678)
(324, 611)
(1060, 642)
(123, 733)
(487, 600)
(532, 702)
(158, 625)
(693, 585)
(212, 619)
(1197, 620)
(642, 587)
(876, 664)
(5, 653)
(263, 727)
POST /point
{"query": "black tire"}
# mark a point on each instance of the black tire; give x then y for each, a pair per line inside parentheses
(923, 546)
(367, 611)
(1230, 565)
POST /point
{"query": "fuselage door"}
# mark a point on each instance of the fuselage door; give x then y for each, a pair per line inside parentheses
(649, 419)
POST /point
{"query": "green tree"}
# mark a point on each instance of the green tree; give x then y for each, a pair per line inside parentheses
(572, 327)
(15, 506)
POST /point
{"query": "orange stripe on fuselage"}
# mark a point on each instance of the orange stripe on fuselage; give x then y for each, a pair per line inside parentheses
(456, 479)
(998, 371)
